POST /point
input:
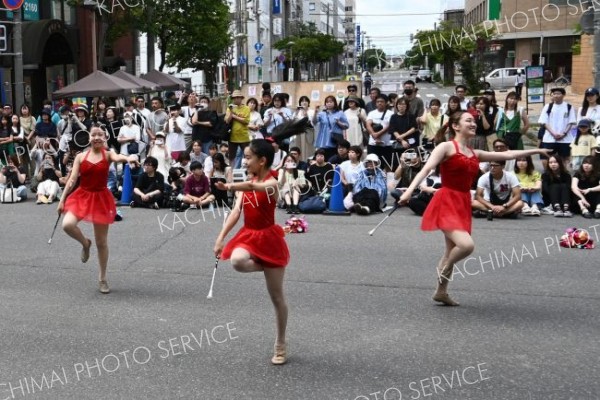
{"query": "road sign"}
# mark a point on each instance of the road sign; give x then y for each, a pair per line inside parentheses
(281, 58)
(258, 60)
(13, 4)
(258, 46)
(281, 66)
(242, 60)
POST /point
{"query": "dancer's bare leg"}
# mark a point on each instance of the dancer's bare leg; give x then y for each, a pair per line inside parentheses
(459, 245)
(274, 279)
(69, 225)
(242, 261)
(101, 236)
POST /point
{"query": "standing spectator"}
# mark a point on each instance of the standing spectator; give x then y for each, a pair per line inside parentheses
(140, 113)
(416, 105)
(113, 126)
(461, 92)
(174, 132)
(150, 186)
(357, 121)
(557, 118)
(512, 122)
(556, 187)
(378, 122)
(519, 82)
(403, 129)
(203, 121)
(485, 124)
(374, 93)
(129, 136)
(277, 114)
(187, 112)
(197, 188)
(54, 117)
(157, 119)
(238, 115)
(256, 121)
(432, 122)
(590, 109)
(278, 154)
(449, 108)
(367, 81)
(7, 147)
(266, 103)
(352, 93)
(332, 123)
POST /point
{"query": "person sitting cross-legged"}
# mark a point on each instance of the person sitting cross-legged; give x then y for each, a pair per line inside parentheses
(370, 188)
(197, 187)
(498, 193)
(150, 186)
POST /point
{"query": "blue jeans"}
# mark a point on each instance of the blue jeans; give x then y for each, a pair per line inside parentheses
(205, 146)
(532, 198)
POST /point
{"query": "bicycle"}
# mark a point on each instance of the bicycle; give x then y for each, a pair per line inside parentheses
(562, 82)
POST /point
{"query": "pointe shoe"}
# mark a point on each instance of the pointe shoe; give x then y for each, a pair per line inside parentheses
(444, 298)
(103, 286)
(280, 356)
(85, 252)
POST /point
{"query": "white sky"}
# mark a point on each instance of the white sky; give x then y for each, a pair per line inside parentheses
(390, 31)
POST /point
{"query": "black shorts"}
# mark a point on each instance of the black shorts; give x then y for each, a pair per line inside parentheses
(384, 153)
(563, 149)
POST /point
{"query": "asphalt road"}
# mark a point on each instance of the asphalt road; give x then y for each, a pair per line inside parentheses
(362, 324)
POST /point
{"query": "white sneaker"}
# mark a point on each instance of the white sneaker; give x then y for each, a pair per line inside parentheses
(535, 211)
(526, 210)
(547, 210)
(567, 214)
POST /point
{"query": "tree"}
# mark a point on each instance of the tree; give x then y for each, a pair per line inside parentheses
(373, 58)
(449, 45)
(310, 46)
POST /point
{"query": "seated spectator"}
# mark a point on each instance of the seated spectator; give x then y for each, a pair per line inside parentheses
(350, 169)
(429, 186)
(498, 192)
(499, 145)
(279, 155)
(223, 149)
(556, 188)
(48, 178)
(343, 146)
(586, 187)
(291, 184)
(184, 161)
(531, 186)
(197, 188)
(197, 155)
(410, 166)
(176, 179)
(300, 164)
(319, 174)
(150, 187)
(370, 189)
(13, 176)
(221, 172)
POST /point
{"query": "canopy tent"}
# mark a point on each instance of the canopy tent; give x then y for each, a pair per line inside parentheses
(147, 85)
(166, 81)
(98, 84)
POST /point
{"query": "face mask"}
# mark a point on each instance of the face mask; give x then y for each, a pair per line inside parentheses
(290, 165)
(159, 141)
(127, 121)
(203, 105)
(408, 92)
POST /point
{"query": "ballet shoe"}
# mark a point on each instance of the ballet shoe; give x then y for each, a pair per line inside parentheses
(280, 356)
(85, 252)
(103, 286)
(445, 299)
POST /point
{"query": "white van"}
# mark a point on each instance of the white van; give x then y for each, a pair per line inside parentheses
(501, 78)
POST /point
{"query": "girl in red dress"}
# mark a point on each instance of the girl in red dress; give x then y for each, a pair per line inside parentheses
(259, 246)
(450, 208)
(92, 201)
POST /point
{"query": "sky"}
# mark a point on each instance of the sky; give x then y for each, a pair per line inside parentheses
(389, 30)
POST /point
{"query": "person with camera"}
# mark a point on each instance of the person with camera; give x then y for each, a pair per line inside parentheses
(291, 184)
(203, 121)
(7, 147)
(410, 166)
(332, 127)
(48, 177)
(13, 177)
(174, 132)
(45, 138)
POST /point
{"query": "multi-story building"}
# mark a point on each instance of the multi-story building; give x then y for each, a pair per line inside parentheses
(57, 50)
(350, 37)
(531, 32)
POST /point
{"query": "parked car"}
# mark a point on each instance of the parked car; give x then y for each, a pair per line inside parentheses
(414, 70)
(501, 78)
(423, 75)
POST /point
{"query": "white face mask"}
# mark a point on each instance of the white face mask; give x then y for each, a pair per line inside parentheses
(159, 141)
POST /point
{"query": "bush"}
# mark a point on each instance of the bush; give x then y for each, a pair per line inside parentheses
(436, 77)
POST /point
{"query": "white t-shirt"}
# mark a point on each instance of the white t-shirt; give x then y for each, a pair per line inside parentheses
(558, 120)
(593, 113)
(175, 141)
(351, 171)
(502, 187)
(376, 118)
(187, 113)
(128, 132)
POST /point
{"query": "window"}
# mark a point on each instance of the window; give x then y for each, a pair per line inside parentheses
(559, 2)
(311, 7)
(348, 9)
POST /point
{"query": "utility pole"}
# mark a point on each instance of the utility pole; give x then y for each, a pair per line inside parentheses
(257, 19)
(19, 95)
(327, 26)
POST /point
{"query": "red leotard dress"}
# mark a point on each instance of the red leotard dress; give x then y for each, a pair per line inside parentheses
(92, 201)
(450, 207)
(260, 236)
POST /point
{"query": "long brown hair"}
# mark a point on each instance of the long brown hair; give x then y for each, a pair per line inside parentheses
(440, 134)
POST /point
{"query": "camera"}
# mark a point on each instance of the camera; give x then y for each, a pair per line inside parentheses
(48, 165)
(410, 156)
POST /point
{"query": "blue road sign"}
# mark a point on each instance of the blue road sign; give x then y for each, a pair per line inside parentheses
(258, 60)
(242, 60)
(258, 46)
(281, 66)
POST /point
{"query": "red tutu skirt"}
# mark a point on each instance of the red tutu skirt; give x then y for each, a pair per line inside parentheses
(97, 207)
(267, 246)
(449, 210)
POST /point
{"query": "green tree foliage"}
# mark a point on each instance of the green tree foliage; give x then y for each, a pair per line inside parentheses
(451, 44)
(373, 58)
(309, 45)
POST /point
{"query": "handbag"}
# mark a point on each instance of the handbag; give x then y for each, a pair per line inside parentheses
(9, 195)
(312, 205)
(133, 148)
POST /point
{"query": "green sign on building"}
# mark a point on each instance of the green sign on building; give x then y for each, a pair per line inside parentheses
(30, 11)
(494, 9)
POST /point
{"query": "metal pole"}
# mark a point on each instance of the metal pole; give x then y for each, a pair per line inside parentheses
(19, 95)
(541, 58)
(94, 45)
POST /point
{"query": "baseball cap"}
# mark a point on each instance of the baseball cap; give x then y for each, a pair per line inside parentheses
(592, 91)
